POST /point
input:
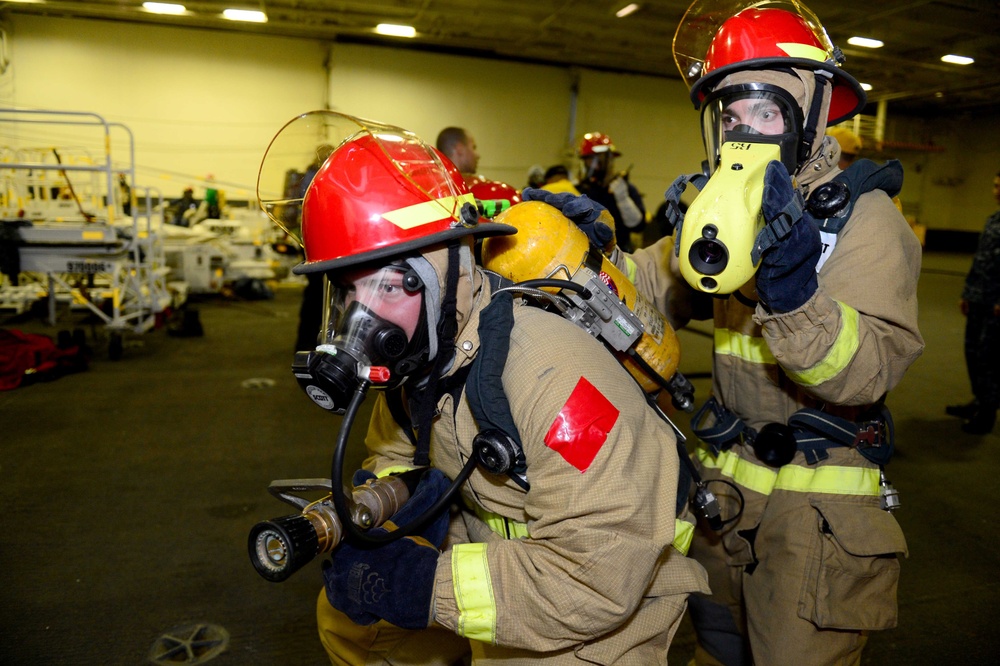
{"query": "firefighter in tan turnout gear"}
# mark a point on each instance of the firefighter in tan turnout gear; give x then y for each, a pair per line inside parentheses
(804, 355)
(568, 554)
(814, 276)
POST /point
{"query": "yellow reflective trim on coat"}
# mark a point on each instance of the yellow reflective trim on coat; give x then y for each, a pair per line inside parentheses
(505, 527)
(394, 469)
(831, 479)
(426, 212)
(683, 535)
(840, 354)
(746, 347)
(630, 269)
(470, 574)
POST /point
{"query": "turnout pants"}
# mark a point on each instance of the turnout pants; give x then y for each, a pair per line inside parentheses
(383, 644)
(806, 572)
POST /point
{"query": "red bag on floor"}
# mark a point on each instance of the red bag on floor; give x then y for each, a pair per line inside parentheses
(28, 357)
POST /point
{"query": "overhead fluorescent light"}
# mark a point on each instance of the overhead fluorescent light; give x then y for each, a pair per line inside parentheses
(164, 8)
(957, 59)
(249, 15)
(866, 42)
(394, 30)
(28, 2)
(626, 10)
(866, 86)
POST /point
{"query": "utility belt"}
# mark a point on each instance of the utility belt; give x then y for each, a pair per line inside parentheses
(809, 430)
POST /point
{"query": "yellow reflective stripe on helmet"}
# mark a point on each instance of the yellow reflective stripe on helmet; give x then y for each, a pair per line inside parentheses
(840, 354)
(470, 573)
(807, 51)
(426, 212)
(505, 527)
(683, 535)
(746, 347)
(831, 479)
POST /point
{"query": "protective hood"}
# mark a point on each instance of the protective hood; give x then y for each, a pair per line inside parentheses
(432, 267)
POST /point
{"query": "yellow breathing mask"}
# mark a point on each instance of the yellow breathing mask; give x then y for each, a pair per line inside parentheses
(722, 223)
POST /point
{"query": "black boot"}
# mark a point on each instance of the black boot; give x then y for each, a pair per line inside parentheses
(982, 422)
(966, 411)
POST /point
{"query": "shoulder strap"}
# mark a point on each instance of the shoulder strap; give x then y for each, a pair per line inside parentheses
(394, 401)
(484, 387)
(674, 213)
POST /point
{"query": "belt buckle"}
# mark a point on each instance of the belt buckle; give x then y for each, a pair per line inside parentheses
(870, 435)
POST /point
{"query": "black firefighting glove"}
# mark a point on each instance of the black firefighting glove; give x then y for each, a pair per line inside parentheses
(581, 209)
(786, 278)
(393, 581)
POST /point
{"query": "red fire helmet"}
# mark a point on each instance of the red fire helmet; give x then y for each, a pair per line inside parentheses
(596, 143)
(716, 38)
(382, 192)
(485, 189)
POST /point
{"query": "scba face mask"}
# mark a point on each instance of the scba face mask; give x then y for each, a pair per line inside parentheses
(596, 168)
(375, 329)
(752, 112)
(745, 127)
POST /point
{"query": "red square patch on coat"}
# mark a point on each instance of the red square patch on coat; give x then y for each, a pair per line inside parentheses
(581, 427)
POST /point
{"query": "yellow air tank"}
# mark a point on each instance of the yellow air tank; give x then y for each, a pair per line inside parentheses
(550, 245)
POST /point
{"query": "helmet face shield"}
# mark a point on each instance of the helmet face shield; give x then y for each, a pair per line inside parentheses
(716, 38)
(705, 18)
(751, 113)
(305, 144)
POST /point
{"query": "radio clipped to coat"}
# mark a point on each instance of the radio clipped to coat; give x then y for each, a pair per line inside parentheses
(552, 256)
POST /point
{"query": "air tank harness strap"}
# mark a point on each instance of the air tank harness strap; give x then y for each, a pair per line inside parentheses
(484, 387)
(832, 203)
(815, 431)
(873, 438)
(674, 213)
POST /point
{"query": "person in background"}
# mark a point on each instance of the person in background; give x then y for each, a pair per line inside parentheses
(603, 184)
(980, 304)
(557, 180)
(536, 176)
(184, 208)
(459, 146)
(125, 193)
(311, 308)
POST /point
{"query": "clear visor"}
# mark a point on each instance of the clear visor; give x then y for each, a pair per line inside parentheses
(746, 112)
(367, 310)
(302, 146)
(703, 19)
